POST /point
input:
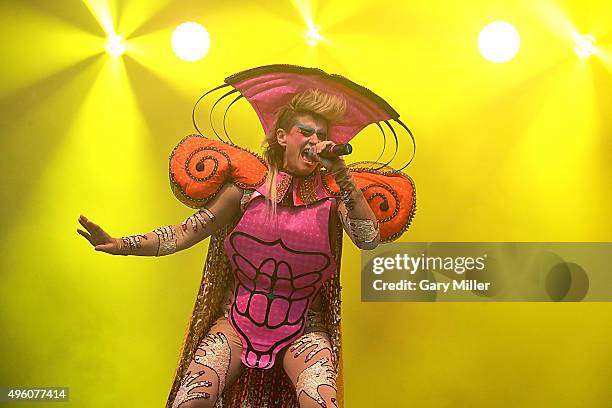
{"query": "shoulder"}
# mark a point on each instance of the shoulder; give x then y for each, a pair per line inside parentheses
(199, 169)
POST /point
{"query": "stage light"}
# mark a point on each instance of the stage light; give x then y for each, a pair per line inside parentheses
(312, 35)
(190, 41)
(114, 45)
(585, 46)
(499, 42)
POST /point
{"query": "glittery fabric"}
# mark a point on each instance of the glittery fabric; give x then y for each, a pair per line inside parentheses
(132, 241)
(347, 198)
(167, 240)
(307, 189)
(196, 221)
(246, 197)
(310, 341)
(309, 381)
(280, 265)
(314, 321)
(215, 354)
(309, 367)
(209, 213)
(347, 187)
(361, 230)
(298, 191)
(188, 385)
(283, 182)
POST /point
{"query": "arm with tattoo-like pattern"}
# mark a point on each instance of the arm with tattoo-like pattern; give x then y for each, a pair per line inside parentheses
(357, 217)
(166, 240)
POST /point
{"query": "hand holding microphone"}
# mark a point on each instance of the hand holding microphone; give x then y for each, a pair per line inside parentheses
(329, 152)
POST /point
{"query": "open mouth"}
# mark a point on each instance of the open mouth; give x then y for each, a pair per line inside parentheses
(304, 156)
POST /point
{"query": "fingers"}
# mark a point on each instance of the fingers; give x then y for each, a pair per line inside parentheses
(86, 235)
(108, 248)
(94, 234)
(99, 239)
(91, 226)
(97, 233)
(88, 225)
(315, 155)
(112, 248)
(319, 147)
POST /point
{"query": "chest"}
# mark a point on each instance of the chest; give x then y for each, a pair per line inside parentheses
(289, 251)
(299, 228)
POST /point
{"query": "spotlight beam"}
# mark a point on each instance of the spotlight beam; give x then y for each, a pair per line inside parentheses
(585, 46)
(115, 45)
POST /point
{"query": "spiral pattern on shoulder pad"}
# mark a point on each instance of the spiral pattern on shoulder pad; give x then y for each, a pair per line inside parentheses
(200, 166)
(390, 194)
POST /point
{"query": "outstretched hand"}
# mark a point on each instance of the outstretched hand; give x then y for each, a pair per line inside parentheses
(97, 237)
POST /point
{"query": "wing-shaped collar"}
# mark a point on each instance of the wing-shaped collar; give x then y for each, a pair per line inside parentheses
(304, 190)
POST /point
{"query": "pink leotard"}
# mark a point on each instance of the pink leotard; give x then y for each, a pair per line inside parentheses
(280, 264)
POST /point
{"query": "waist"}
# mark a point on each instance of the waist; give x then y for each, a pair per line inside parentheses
(314, 316)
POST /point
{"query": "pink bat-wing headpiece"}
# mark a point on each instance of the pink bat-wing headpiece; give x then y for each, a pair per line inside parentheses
(270, 87)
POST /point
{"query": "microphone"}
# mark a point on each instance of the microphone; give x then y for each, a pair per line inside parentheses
(331, 153)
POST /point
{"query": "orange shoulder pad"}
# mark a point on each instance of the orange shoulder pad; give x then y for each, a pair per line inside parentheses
(391, 195)
(200, 166)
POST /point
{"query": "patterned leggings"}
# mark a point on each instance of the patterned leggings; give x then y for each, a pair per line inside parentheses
(307, 361)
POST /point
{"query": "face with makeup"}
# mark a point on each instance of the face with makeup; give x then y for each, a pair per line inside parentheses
(307, 132)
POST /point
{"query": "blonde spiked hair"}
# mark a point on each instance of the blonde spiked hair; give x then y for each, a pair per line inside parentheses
(313, 102)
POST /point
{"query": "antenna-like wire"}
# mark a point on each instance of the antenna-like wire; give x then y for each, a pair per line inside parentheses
(224, 116)
(384, 142)
(196, 104)
(413, 143)
(396, 145)
(212, 109)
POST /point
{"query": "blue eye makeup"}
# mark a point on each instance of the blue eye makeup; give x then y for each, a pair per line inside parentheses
(308, 131)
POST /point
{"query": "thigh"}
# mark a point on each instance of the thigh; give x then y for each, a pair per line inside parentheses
(309, 364)
(216, 364)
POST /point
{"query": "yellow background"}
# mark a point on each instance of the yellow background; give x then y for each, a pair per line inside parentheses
(505, 152)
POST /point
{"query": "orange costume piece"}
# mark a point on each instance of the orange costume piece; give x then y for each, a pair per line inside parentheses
(200, 166)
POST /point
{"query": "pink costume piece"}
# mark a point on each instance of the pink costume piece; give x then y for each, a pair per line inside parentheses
(268, 88)
(280, 264)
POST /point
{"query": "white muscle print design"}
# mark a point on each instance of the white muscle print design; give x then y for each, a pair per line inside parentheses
(217, 353)
(216, 357)
(309, 380)
(187, 385)
(306, 341)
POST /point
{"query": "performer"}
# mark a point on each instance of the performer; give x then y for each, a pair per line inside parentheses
(265, 330)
